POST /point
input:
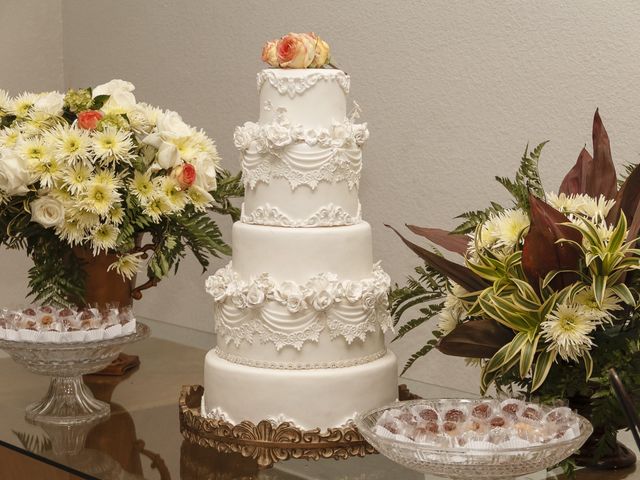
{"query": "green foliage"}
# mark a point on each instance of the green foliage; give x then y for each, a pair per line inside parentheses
(229, 186)
(474, 218)
(527, 178)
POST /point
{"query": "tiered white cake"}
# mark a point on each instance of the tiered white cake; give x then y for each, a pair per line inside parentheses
(301, 310)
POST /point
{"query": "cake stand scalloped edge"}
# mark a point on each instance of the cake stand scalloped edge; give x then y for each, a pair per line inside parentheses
(266, 442)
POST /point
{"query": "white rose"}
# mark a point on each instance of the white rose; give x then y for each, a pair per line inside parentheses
(352, 291)
(121, 100)
(297, 133)
(14, 173)
(206, 173)
(170, 124)
(277, 135)
(50, 103)
(255, 296)
(47, 211)
(322, 300)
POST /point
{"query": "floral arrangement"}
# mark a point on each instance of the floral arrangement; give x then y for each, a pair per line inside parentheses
(297, 50)
(94, 169)
(546, 300)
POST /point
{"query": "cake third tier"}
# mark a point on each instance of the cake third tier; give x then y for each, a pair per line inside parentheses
(301, 162)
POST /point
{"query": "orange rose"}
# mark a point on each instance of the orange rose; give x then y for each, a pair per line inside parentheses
(185, 175)
(295, 50)
(322, 54)
(89, 119)
(270, 54)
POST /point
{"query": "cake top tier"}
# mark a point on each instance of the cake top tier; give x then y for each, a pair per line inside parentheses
(311, 97)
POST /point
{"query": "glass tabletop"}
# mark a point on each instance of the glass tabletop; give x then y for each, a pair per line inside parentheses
(141, 438)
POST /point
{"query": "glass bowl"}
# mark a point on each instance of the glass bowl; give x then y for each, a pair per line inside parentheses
(68, 400)
(467, 463)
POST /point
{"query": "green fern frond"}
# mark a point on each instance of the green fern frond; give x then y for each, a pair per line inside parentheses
(430, 345)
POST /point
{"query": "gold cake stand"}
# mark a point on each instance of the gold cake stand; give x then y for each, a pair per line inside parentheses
(266, 442)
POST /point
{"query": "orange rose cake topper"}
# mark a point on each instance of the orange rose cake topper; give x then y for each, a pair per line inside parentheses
(297, 50)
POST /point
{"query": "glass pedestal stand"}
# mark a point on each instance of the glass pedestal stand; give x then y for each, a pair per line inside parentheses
(68, 400)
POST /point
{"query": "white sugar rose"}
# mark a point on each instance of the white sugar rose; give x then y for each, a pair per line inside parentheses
(47, 211)
(50, 103)
(352, 291)
(292, 296)
(360, 133)
(369, 299)
(322, 300)
(121, 99)
(324, 138)
(255, 296)
(216, 287)
(14, 173)
(311, 137)
(339, 134)
(242, 136)
(277, 135)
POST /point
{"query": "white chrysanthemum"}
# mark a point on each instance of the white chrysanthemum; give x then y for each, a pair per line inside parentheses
(48, 171)
(71, 232)
(510, 226)
(116, 215)
(199, 198)
(206, 146)
(70, 144)
(76, 178)
(33, 149)
(62, 194)
(84, 218)
(453, 302)
(10, 137)
(596, 208)
(174, 195)
(610, 303)
(142, 187)
(488, 233)
(5, 102)
(568, 329)
(127, 265)
(112, 145)
(108, 178)
(143, 117)
(21, 105)
(156, 207)
(447, 321)
(103, 238)
(99, 197)
(565, 203)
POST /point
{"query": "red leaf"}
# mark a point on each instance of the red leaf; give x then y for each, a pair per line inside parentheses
(627, 198)
(575, 182)
(541, 254)
(475, 339)
(458, 273)
(602, 179)
(452, 242)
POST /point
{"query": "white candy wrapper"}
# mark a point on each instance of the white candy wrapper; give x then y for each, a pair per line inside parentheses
(52, 325)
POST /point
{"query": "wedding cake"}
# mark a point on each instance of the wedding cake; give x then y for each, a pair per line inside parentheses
(301, 310)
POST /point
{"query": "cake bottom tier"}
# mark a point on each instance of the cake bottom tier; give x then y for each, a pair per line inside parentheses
(309, 398)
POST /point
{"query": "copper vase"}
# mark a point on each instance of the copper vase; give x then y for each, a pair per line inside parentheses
(103, 287)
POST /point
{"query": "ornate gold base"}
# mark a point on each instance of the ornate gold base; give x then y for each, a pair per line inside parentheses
(265, 442)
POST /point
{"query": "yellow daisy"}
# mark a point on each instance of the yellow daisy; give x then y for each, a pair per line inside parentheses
(99, 198)
(112, 145)
(76, 178)
(142, 187)
(103, 238)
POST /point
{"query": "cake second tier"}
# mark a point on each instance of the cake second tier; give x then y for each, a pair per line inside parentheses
(295, 298)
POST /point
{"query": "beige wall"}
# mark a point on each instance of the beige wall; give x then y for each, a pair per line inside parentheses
(30, 59)
(452, 92)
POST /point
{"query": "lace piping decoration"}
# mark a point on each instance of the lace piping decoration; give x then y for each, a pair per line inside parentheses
(230, 357)
(302, 156)
(327, 216)
(290, 314)
(293, 86)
